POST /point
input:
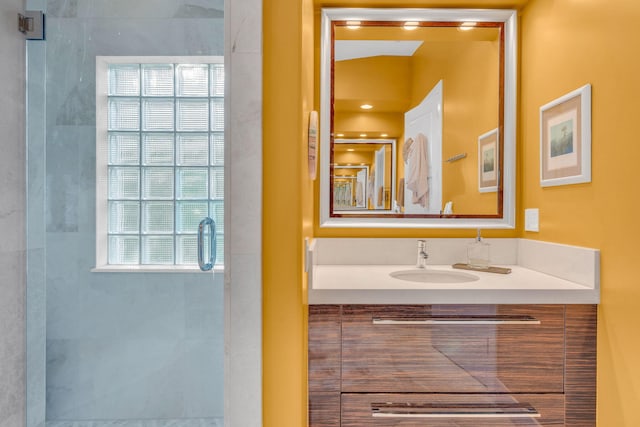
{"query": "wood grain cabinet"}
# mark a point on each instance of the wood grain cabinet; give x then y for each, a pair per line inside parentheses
(452, 365)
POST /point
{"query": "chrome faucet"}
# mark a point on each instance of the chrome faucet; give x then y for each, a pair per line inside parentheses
(422, 254)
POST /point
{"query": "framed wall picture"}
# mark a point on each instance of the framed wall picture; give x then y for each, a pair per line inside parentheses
(488, 161)
(565, 139)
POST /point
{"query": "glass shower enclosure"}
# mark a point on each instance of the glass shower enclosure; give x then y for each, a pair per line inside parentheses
(129, 346)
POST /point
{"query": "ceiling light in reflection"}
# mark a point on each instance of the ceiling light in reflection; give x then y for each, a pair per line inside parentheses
(410, 25)
(353, 25)
(466, 26)
(351, 149)
(366, 106)
(384, 135)
(363, 135)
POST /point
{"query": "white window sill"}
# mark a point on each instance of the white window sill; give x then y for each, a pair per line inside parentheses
(153, 269)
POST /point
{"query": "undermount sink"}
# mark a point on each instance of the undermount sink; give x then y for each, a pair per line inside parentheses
(433, 276)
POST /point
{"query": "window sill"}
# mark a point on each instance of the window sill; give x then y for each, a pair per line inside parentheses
(153, 269)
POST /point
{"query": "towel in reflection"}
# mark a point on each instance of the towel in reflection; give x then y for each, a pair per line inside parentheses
(417, 174)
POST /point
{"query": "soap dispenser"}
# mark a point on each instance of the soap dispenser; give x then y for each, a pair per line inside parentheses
(478, 253)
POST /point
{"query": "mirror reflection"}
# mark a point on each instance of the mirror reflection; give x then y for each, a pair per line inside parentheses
(436, 89)
(363, 174)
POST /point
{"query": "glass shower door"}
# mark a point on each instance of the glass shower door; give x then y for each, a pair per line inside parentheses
(136, 341)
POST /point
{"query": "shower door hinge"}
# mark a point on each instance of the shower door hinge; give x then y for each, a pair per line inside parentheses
(31, 24)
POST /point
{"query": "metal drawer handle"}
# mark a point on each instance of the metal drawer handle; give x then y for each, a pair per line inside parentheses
(387, 410)
(458, 320)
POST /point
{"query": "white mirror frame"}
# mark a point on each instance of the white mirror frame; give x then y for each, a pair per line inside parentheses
(509, 17)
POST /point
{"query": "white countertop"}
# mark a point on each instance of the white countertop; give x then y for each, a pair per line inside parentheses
(372, 284)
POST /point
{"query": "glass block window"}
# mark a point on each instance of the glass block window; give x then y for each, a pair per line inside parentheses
(165, 166)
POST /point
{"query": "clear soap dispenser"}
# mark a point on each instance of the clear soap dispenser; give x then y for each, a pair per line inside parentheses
(478, 253)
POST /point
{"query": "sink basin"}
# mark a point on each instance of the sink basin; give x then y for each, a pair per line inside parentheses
(433, 276)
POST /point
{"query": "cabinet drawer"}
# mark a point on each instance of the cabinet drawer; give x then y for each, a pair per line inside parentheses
(449, 410)
(447, 348)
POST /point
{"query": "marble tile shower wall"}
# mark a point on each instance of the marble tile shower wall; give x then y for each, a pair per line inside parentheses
(12, 219)
(118, 346)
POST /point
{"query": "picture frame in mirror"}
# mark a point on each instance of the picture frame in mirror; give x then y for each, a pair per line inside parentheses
(488, 157)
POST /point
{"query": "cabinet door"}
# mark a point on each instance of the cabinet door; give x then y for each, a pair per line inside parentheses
(451, 410)
(324, 348)
(324, 409)
(448, 348)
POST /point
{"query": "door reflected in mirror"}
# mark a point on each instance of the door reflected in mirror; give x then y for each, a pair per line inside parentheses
(434, 88)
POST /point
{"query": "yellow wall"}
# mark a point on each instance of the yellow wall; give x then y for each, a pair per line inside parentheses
(287, 206)
(387, 88)
(566, 44)
(351, 124)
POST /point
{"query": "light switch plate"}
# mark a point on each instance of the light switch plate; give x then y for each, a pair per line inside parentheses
(531, 220)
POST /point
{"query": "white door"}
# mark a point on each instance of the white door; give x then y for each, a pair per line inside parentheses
(423, 126)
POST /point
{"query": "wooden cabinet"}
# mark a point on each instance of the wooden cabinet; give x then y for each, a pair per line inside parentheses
(452, 365)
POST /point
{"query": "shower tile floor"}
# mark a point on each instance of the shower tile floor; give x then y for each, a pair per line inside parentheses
(191, 422)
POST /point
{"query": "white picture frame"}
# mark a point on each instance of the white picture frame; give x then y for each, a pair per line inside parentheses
(565, 139)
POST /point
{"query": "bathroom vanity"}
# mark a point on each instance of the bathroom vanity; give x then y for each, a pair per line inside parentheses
(440, 354)
(395, 345)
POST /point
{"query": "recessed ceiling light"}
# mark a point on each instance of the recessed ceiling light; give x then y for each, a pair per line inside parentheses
(351, 149)
(384, 135)
(366, 106)
(411, 25)
(340, 134)
(363, 135)
(466, 26)
(353, 25)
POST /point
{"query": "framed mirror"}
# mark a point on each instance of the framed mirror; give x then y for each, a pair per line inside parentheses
(421, 102)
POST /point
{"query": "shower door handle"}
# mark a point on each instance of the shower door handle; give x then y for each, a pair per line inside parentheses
(206, 266)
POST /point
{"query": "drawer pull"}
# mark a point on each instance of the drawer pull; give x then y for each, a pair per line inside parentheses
(457, 320)
(516, 410)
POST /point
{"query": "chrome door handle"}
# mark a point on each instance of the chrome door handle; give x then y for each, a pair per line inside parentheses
(206, 266)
